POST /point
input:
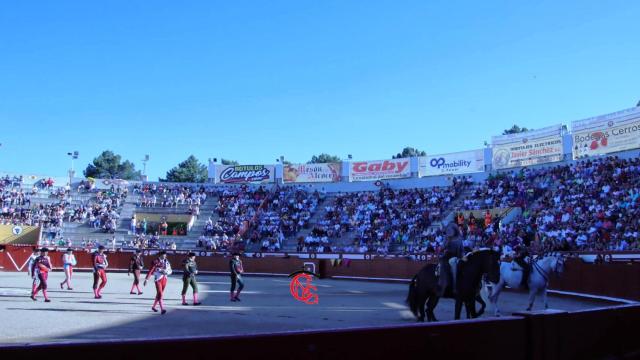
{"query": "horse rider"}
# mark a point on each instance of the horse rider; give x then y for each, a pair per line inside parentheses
(453, 251)
(521, 254)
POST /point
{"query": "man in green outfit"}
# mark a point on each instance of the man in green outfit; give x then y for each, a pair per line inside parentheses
(236, 271)
(190, 270)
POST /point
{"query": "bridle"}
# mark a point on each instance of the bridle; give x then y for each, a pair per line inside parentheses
(546, 275)
(559, 260)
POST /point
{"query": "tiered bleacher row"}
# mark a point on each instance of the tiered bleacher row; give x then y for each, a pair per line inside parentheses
(545, 189)
(589, 205)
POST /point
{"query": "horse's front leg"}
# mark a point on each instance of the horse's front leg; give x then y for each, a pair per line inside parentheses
(493, 297)
(532, 297)
(482, 304)
(421, 304)
(431, 305)
(458, 309)
(471, 308)
(544, 298)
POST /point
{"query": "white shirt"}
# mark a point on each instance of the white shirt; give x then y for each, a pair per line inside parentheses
(69, 259)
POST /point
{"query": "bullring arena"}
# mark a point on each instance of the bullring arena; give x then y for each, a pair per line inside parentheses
(358, 233)
(351, 300)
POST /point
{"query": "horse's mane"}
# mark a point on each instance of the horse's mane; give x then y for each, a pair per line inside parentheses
(481, 251)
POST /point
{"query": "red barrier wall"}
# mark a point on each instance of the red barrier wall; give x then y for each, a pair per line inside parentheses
(596, 334)
(620, 280)
(609, 333)
(447, 340)
(378, 268)
(609, 279)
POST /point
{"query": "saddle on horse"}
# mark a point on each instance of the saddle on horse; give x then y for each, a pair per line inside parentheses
(526, 270)
(447, 272)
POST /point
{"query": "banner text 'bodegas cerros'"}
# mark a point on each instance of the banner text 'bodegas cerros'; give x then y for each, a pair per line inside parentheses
(528, 148)
(605, 134)
(379, 169)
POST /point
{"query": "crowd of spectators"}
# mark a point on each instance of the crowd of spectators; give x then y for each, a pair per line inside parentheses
(287, 212)
(515, 188)
(237, 209)
(103, 211)
(594, 207)
(378, 220)
(588, 205)
(154, 241)
(170, 195)
(215, 242)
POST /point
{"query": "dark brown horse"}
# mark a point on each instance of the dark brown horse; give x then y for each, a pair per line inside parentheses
(424, 289)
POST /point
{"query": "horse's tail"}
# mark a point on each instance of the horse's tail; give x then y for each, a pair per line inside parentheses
(412, 300)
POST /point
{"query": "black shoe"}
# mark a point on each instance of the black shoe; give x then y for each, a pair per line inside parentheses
(163, 312)
(47, 300)
(232, 299)
(196, 304)
(132, 293)
(237, 298)
(185, 303)
(154, 309)
(33, 298)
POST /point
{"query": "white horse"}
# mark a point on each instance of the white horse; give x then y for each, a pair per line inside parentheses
(541, 270)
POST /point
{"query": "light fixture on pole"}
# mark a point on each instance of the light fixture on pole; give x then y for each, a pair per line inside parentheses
(73, 155)
(144, 164)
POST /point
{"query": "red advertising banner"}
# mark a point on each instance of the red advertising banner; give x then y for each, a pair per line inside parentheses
(380, 169)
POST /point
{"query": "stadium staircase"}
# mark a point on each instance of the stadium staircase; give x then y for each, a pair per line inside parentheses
(291, 242)
(185, 242)
(78, 232)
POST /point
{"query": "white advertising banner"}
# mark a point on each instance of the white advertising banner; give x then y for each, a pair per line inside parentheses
(379, 169)
(310, 173)
(528, 148)
(452, 164)
(243, 174)
(605, 134)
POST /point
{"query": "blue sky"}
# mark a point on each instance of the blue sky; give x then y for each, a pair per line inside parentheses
(253, 80)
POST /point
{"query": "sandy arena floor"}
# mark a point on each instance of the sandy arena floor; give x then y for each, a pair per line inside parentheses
(266, 307)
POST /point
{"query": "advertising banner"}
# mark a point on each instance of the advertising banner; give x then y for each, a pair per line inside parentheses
(527, 148)
(379, 169)
(310, 173)
(452, 164)
(606, 133)
(30, 179)
(243, 174)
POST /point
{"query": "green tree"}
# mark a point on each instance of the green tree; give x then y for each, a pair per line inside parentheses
(109, 165)
(229, 162)
(515, 129)
(324, 158)
(409, 152)
(190, 170)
